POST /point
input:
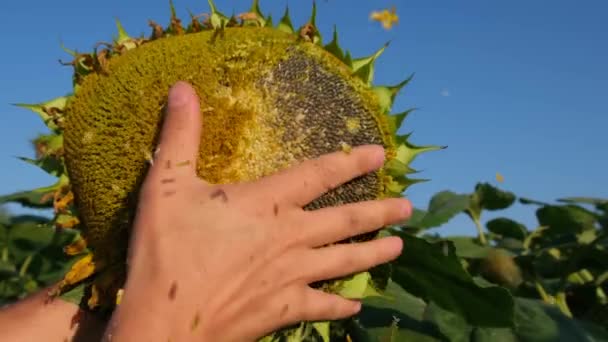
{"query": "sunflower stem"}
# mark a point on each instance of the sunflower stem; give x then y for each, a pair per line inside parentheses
(480, 233)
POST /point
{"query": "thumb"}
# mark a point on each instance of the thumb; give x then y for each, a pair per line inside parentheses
(181, 130)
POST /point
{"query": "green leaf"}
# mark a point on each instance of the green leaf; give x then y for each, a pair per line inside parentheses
(397, 319)
(507, 228)
(28, 237)
(422, 266)
(468, 247)
(538, 322)
(31, 199)
(584, 200)
(416, 218)
(566, 218)
(494, 335)
(451, 325)
(525, 200)
(489, 197)
(443, 206)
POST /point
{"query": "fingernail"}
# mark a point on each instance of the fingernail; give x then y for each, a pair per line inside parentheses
(356, 306)
(407, 208)
(178, 95)
(395, 246)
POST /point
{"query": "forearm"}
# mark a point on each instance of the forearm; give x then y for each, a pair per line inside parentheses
(38, 319)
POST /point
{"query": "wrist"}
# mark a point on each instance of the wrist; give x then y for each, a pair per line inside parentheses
(54, 320)
(151, 312)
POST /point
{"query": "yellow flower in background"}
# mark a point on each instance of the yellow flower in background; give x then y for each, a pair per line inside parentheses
(499, 178)
(386, 17)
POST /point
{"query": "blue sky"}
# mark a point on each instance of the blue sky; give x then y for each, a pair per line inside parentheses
(516, 87)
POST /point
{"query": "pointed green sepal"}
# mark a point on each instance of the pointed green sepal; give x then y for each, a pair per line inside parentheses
(175, 27)
(269, 22)
(123, 37)
(323, 329)
(194, 25)
(37, 198)
(71, 52)
(364, 67)
(260, 20)
(348, 59)
(394, 188)
(48, 144)
(67, 221)
(47, 110)
(386, 94)
(396, 120)
(395, 167)
(124, 41)
(50, 165)
(313, 21)
(285, 24)
(359, 286)
(399, 184)
(333, 47)
(316, 36)
(407, 152)
(358, 63)
(172, 8)
(217, 19)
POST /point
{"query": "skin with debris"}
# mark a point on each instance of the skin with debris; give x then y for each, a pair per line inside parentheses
(246, 252)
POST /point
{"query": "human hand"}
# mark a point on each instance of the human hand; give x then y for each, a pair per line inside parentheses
(234, 262)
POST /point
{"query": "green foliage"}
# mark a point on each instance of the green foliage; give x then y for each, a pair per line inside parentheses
(508, 283)
(31, 255)
(424, 265)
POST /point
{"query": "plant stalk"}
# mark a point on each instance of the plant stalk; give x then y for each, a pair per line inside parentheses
(480, 233)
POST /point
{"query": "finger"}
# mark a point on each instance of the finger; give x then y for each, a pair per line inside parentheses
(345, 259)
(181, 131)
(315, 305)
(310, 179)
(333, 224)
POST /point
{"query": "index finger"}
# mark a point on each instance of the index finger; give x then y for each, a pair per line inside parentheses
(305, 182)
(180, 135)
